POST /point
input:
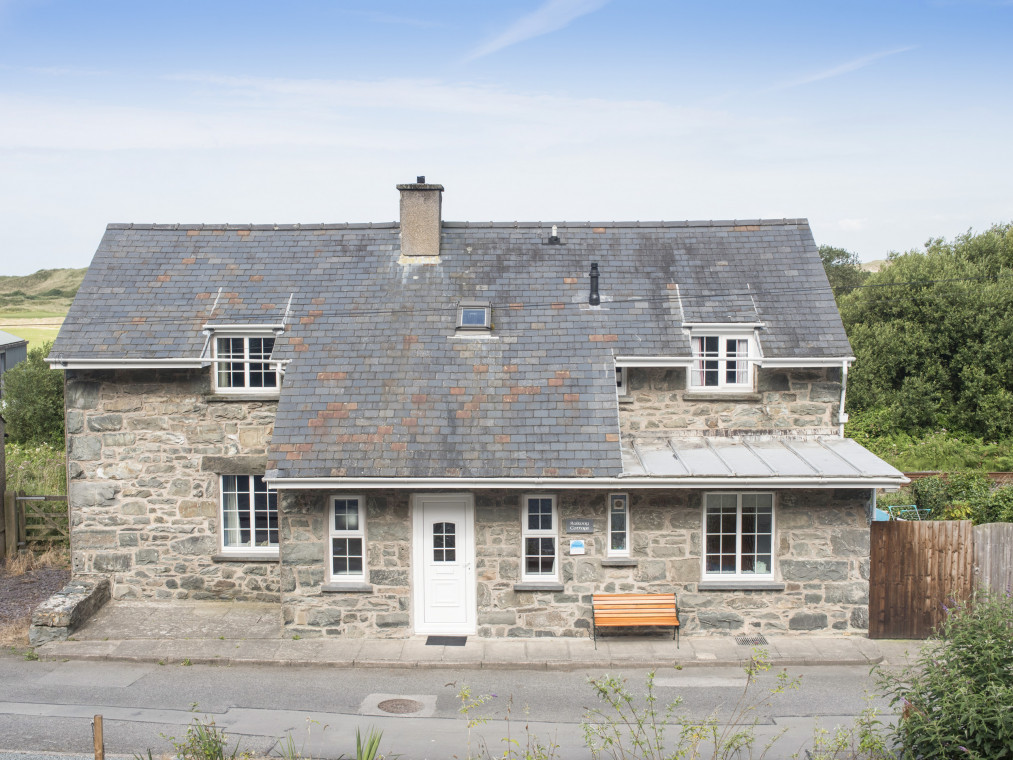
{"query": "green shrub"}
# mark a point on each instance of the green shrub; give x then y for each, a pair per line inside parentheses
(957, 699)
(33, 400)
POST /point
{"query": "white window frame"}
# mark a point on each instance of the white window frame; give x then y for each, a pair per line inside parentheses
(613, 499)
(696, 377)
(551, 532)
(220, 363)
(738, 575)
(358, 533)
(622, 376)
(272, 495)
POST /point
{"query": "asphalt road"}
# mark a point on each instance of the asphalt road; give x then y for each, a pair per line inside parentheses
(47, 707)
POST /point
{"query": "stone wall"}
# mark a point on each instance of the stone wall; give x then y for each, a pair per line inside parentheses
(657, 400)
(821, 542)
(145, 449)
(311, 606)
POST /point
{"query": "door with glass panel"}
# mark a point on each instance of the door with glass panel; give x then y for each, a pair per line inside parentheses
(443, 559)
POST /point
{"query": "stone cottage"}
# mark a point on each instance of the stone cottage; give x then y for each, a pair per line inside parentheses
(431, 427)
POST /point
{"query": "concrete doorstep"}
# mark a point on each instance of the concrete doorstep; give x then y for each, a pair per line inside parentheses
(229, 633)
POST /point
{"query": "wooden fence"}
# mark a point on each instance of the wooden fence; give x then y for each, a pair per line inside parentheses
(31, 522)
(915, 568)
(993, 555)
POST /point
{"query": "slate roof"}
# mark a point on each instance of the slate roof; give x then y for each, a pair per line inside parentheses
(378, 383)
(7, 340)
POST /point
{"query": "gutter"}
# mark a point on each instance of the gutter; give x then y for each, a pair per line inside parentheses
(687, 361)
(366, 483)
(172, 363)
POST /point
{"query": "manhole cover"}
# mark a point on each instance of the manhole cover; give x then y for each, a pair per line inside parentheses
(400, 706)
(751, 641)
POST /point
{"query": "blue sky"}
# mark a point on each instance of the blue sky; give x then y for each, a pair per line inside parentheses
(885, 123)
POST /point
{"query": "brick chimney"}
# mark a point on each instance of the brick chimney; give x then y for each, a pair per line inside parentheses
(420, 219)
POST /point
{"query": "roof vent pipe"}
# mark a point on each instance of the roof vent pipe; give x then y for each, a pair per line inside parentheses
(554, 237)
(594, 299)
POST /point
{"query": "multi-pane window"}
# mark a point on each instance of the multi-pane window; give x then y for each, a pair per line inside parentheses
(444, 542)
(538, 536)
(249, 514)
(720, 362)
(738, 534)
(244, 364)
(348, 539)
(619, 525)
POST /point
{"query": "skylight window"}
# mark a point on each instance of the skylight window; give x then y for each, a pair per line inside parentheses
(474, 315)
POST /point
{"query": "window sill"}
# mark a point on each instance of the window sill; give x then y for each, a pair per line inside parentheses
(346, 588)
(539, 586)
(274, 396)
(619, 562)
(740, 585)
(249, 557)
(736, 395)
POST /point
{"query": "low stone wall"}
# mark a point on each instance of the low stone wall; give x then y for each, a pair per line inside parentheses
(657, 400)
(66, 610)
(145, 449)
(821, 542)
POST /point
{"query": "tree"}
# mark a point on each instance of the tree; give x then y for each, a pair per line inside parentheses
(933, 338)
(843, 268)
(33, 400)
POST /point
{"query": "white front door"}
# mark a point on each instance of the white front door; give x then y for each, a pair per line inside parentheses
(443, 563)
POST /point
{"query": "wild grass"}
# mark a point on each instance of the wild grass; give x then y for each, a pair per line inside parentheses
(26, 561)
(39, 470)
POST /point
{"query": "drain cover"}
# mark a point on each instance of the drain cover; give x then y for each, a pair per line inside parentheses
(751, 641)
(400, 706)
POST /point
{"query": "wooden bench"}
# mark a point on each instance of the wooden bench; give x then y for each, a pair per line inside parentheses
(634, 611)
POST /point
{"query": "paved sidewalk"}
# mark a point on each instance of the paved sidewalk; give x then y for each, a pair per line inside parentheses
(231, 633)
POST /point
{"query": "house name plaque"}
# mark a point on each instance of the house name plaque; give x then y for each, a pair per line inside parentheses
(579, 525)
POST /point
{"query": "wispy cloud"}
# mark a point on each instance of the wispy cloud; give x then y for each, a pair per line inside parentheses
(552, 16)
(836, 71)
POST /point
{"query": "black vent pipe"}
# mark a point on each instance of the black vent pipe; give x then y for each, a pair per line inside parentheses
(594, 299)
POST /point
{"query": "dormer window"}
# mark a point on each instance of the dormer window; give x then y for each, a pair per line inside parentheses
(474, 316)
(243, 364)
(721, 362)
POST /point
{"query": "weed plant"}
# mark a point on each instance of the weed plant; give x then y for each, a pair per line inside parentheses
(39, 469)
(625, 728)
(956, 700)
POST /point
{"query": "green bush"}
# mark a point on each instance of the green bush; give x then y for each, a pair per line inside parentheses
(957, 699)
(33, 400)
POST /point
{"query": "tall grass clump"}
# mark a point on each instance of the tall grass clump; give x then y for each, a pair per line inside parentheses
(956, 700)
(39, 469)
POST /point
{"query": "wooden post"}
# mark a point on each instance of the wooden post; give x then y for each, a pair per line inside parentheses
(10, 524)
(96, 732)
(22, 524)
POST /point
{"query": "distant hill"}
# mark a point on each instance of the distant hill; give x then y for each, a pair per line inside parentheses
(48, 290)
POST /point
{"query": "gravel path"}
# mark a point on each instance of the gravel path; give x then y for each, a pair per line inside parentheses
(20, 594)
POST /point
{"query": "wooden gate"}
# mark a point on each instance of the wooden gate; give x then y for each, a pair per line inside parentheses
(915, 567)
(33, 521)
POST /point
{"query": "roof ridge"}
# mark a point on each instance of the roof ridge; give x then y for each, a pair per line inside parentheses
(786, 221)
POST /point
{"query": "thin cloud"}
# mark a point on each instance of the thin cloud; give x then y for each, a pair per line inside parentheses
(552, 16)
(388, 18)
(836, 71)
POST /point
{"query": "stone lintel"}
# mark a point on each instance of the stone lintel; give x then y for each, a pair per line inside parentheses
(253, 464)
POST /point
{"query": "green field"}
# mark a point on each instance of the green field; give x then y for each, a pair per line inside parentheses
(33, 306)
